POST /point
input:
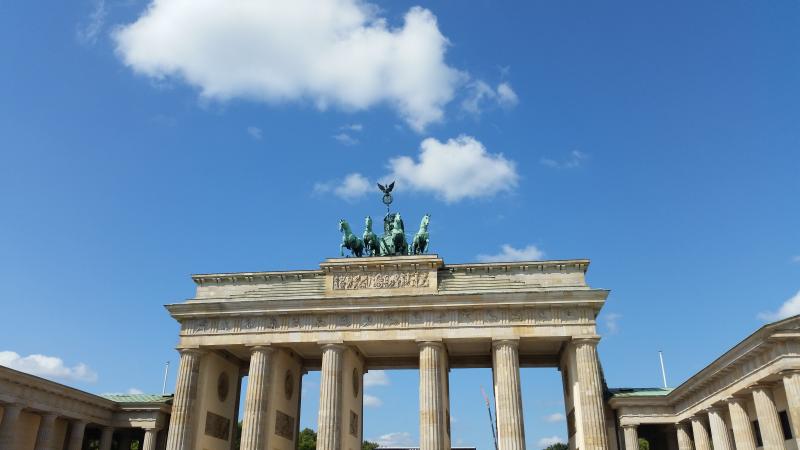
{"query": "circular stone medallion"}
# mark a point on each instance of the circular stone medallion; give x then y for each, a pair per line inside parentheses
(288, 385)
(355, 383)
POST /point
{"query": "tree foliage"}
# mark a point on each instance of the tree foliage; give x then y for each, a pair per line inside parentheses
(307, 440)
(644, 444)
(368, 445)
(558, 446)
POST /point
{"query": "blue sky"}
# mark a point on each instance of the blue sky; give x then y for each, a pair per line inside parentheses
(142, 144)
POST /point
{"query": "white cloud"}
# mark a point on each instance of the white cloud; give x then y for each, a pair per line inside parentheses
(397, 439)
(611, 321)
(345, 139)
(376, 378)
(47, 367)
(480, 95)
(548, 441)
(351, 188)
(789, 308)
(575, 159)
(352, 127)
(509, 253)
(328, 52)
(255, 132)
(796, 258)
(454, 170)
(134, 391)
(555, 417)
(371, 401)
(88, 32)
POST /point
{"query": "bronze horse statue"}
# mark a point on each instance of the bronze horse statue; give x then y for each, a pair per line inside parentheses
(421, 240)
(371, 246)
(350, 241)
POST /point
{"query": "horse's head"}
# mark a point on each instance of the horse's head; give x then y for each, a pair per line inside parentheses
(426, 219)
(343, 225)
(368, 222)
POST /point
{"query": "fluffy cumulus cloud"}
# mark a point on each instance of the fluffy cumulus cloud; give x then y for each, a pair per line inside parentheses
(789, 308)
(548, 441)
(50, 367)
(329, 52)
(371, 401)
(350, 188)
(376, 378)
(455, 170)
(555, 417)
(397, 439)
(509, 253)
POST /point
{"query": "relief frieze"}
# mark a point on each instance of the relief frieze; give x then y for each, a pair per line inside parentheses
(380, 280)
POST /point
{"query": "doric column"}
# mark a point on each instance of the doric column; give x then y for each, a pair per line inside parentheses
(684, 440)
(593, 417)
(631, 437)
(256, 404)
(44, 437)
(508, 395)
(719, 431)
(432, 374)
(791, 383)
(106, 436)
(329, 436)
(181, 423)
(740, 422)
(76, 429)
(700, 432)
(768, 421)
(8, 427)
(150, 435)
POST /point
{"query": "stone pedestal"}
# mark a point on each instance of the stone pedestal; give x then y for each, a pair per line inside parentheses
(76, 430)
(631, 437)
(684, 439)
(701, 438)
(743, 434)
(182, 421)
(44, 437)
(434, 413)
(768, 420)
(8, 431)
(592, 413)
(256, 406)
(719, 431)
(508, 395)
(330, 398)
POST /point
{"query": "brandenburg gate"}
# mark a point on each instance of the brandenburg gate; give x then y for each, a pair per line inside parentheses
(383, 312)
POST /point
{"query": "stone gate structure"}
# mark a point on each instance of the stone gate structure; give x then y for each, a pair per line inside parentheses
(356, 314)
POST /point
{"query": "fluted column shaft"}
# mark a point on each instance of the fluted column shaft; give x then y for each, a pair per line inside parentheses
(768, 421)
(590, 395)
(76, 430)
(631, 437)
(719, 431)
(684, 440)
(329, 436)
(150, 435)
(508, 395)
(743, 434)
(182, 420)
(106, 436)
(432, 427)
(8, 427)
(701, 439)
(44, 437)
(791, 383)
(256, 406)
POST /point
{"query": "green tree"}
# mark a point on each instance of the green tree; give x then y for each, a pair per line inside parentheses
(558, 446)
(236, 440)
(643, 444)
(307, 440)
(368, 445)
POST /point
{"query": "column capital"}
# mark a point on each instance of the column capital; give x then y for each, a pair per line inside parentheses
(50, 415)
(760, 386)
(713, 409)
(13, 406)
(682, 425)
(789, 372)
(513, 342)
(261, 348)
(734, 399)
(192, 351)
(629, 425)
(332, 345)
(422, 343)
(589, 339)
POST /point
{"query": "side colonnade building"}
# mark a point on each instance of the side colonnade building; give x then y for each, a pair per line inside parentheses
(749, 398)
